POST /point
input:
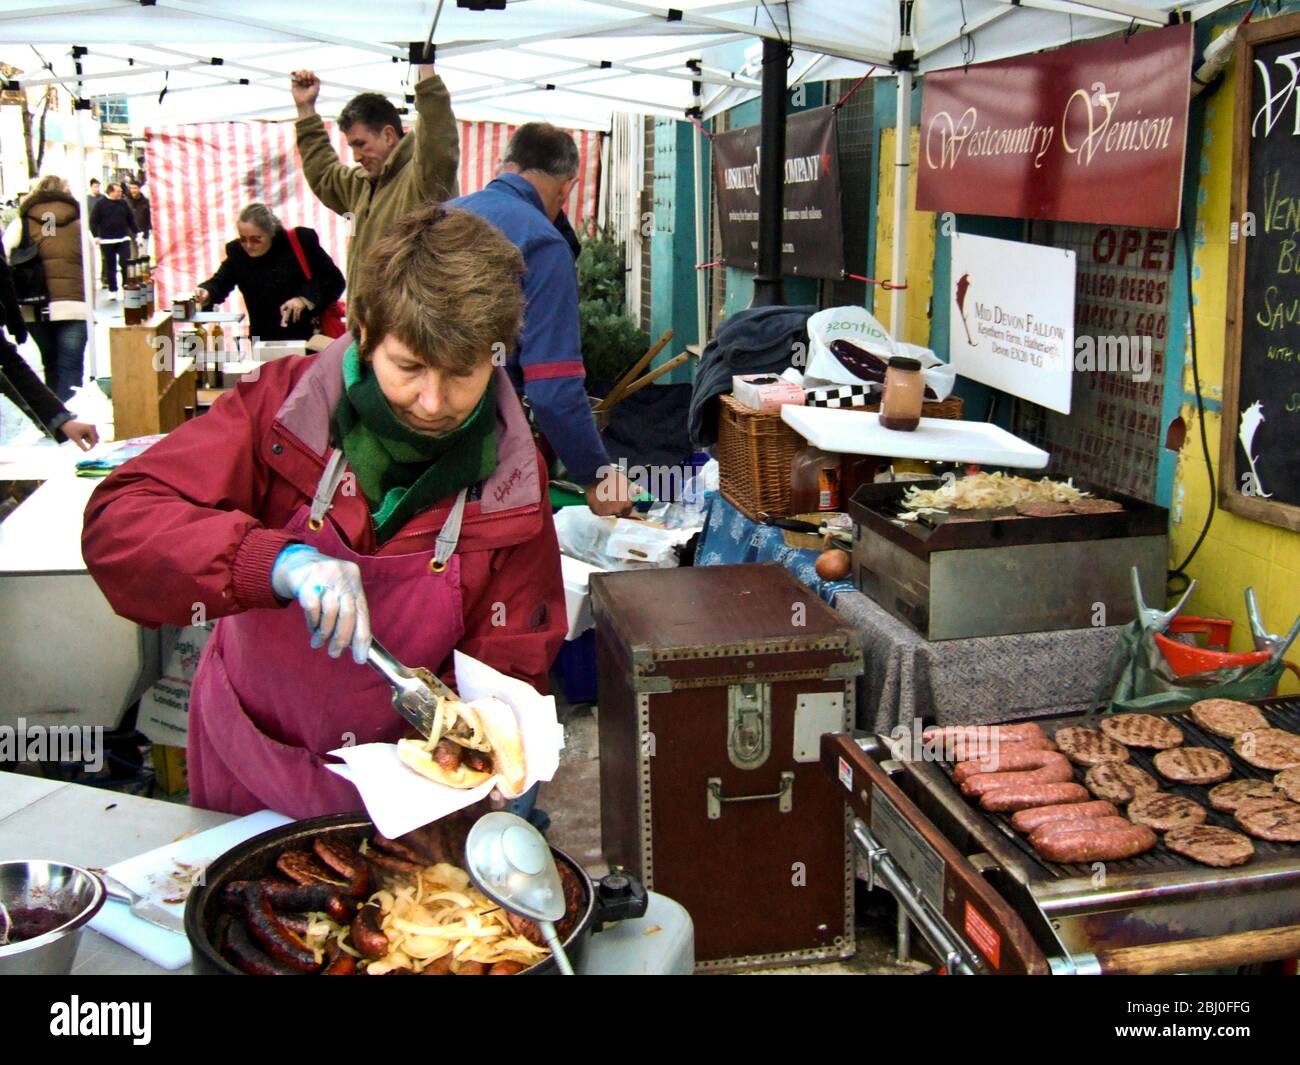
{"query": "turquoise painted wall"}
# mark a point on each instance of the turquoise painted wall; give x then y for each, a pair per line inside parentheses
(672, 245)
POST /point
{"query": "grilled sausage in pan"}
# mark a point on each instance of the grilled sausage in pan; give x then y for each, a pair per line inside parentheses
(347, 861)
(240, 950)
(302, 868)
(272, 936)
(366, 935)
(387, 864)
(398, 849)
(292, 898)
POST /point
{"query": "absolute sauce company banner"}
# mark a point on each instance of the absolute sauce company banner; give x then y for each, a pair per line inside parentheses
(1088, 133)
(811, 234)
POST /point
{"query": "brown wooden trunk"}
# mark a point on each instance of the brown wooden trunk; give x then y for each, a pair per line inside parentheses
(716, 684)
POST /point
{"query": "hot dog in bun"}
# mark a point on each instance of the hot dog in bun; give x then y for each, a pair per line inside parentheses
(468, 745)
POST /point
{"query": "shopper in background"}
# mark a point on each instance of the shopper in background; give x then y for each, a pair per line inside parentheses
(539, 169)
(113, 225)
(22, 387)
(142, 212)
(95, 196)
(51, 217)
(396, 171)
(283, 303)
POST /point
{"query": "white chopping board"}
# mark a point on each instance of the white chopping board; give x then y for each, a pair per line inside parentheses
(856, 432)
(165, 876)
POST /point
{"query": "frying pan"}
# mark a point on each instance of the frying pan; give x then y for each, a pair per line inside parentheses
(255, 858)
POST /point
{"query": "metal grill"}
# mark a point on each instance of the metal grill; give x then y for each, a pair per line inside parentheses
(1281, 713)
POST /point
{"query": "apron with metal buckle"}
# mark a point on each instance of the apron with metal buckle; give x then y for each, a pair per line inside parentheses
(265, 706)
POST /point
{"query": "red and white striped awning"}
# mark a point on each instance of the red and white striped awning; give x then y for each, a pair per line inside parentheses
(201, 174)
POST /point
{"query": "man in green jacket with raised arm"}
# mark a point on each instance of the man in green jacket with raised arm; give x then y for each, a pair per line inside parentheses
(396, 171)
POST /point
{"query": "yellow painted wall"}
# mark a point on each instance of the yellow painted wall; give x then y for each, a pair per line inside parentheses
(1237, 552)
(920, 247)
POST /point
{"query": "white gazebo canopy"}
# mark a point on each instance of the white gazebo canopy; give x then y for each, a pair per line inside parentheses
(574, 62)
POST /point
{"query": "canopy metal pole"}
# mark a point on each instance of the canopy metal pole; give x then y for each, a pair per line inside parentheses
(902, 164)
(768, 289)
(87, 248)
(701, 237)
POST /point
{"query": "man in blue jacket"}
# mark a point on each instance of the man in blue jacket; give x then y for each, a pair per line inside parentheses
(539, 169)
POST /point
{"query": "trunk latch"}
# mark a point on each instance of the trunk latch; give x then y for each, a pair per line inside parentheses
(749, 724)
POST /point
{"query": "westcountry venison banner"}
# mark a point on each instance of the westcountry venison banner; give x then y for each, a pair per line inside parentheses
(1088, 133)
(811, 234)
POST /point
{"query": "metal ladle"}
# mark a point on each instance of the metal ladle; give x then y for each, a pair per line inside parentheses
(511, 863)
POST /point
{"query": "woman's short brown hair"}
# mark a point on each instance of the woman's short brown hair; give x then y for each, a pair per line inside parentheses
(446, 284)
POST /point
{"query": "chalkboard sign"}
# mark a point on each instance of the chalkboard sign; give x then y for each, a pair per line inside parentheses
(1260, 449)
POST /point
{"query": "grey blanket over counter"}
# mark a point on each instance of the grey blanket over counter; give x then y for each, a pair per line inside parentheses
(754, 340)
(989, 679)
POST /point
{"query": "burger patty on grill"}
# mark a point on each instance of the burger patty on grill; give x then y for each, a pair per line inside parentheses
(1118, 782)
(1163, 812)
(1269, 748)
(1193, 765)
(1229, 796)
(1093, 505)
(1227, 717)
(1142, 730)
(1289, 781)
(1210, 845)
(1279, 822)
(1087, 746)
(1045, 508)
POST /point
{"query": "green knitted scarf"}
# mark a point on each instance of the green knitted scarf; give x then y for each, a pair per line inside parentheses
(401, 471)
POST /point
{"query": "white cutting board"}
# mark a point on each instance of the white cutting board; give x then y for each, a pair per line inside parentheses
(856, 432)
(166, 873)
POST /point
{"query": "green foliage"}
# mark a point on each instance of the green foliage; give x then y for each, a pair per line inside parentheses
(611, 339)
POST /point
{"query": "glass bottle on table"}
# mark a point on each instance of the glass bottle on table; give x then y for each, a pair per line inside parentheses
(814, 481)
(217, 338)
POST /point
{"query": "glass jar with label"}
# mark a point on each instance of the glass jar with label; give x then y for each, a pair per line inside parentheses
(900, 407)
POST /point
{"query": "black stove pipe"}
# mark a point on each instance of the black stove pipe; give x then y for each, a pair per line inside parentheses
(768, 289)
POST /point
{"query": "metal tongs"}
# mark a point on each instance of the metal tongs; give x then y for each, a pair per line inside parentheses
(1154, 620)
(1275, 645)
(415, 691)
(1159, 620)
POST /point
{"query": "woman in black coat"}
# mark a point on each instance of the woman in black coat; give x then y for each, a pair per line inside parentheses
(20, 385)
(282, 303)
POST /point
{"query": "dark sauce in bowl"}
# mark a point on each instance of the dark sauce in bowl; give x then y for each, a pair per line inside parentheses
(32, 921)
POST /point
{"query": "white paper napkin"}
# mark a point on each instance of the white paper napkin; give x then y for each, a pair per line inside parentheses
(400, 800)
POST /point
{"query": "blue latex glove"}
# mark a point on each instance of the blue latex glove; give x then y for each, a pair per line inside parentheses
(330, 594)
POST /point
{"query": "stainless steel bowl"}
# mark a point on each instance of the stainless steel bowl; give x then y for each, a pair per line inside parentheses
(66, 889)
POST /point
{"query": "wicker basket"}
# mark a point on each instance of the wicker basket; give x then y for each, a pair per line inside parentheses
(949, 408)
(755, 450)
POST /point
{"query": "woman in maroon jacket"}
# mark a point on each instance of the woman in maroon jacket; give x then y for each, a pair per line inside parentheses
(389, 483)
